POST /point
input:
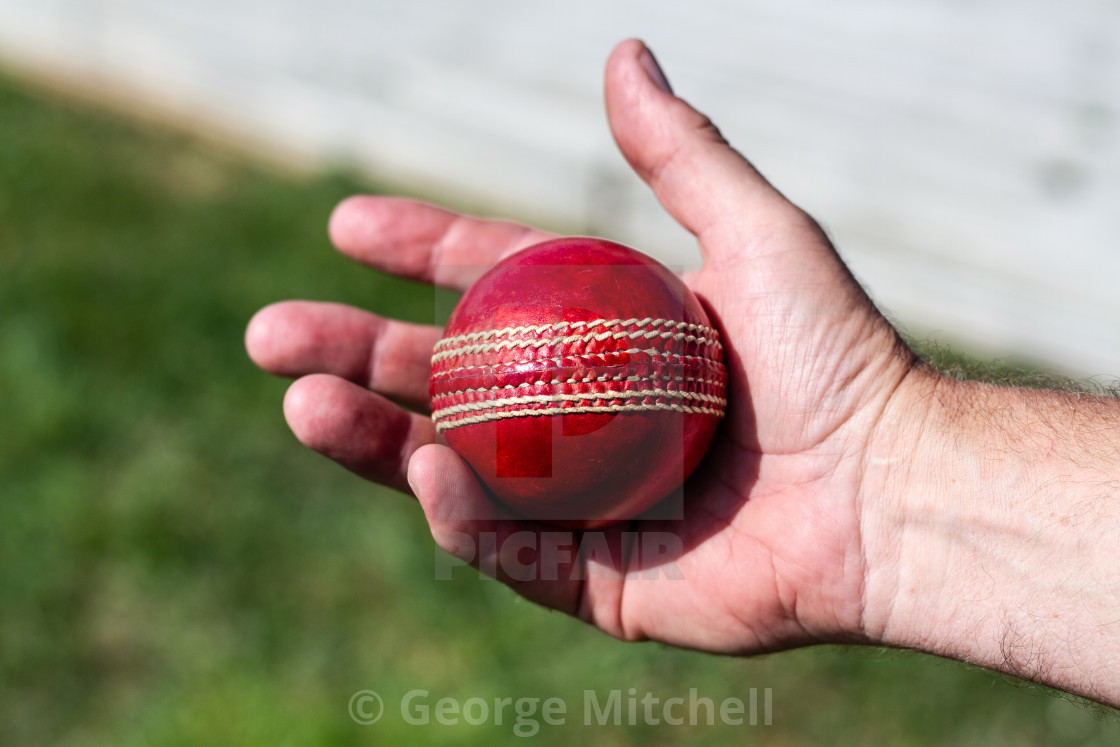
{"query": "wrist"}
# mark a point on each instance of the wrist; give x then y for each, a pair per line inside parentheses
(945, 514)
(990, 532)
(892, 491)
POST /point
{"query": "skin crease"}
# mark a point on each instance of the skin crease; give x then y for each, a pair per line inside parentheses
(809, 519)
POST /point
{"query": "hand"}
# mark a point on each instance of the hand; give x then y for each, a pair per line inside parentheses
(771, 547)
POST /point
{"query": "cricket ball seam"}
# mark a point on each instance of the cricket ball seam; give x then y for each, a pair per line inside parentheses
(655, 356)
(699, 395)
(629, 386)
(648, 322)
(589, 379)
(489, 404)
(575, 341)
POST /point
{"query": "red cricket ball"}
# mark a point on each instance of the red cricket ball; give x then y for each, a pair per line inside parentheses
(581, 380)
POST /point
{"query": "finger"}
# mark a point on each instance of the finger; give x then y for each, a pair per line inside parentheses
(357, 428)
(535, 560)
(416, 240)
(704, 184)
(297, 338)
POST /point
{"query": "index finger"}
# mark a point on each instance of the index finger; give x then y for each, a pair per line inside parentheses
(420, 241)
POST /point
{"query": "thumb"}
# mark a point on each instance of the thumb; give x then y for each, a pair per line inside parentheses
(709, 188)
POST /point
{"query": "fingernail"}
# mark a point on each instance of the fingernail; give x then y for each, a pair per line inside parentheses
(653, 70)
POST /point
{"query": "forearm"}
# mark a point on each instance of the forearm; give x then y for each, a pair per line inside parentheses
(992, 532)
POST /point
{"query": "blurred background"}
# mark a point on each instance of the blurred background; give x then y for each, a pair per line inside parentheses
(176, 569)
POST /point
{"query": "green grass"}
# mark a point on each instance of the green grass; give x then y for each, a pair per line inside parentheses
(176, 569)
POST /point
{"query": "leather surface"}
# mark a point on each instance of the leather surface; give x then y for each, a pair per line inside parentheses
(581, 381)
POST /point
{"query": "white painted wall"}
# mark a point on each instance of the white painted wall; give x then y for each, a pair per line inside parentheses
(964, 155)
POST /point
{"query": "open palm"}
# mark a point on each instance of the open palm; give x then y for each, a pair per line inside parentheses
(770, 549)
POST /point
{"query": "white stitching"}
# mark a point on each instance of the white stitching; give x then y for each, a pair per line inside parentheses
(495, 404)
(538, 328)
(587, 380)
(560, 358)
(489, 347)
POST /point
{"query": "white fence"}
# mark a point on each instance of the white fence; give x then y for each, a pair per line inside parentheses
(965, 156)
